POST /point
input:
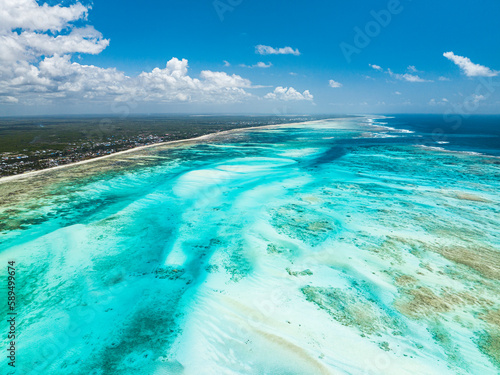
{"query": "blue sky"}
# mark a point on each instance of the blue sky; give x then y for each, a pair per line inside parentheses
(95, 57)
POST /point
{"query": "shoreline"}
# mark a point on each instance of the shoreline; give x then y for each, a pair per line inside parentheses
(201, 137)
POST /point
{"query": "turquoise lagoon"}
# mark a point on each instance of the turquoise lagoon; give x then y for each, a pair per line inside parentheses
(332, 247)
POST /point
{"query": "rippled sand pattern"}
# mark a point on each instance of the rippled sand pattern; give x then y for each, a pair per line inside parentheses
(331, 247)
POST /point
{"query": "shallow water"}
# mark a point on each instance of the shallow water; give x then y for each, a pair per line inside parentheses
(335, 247)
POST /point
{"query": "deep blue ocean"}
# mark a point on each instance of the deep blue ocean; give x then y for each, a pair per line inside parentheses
(475, 133)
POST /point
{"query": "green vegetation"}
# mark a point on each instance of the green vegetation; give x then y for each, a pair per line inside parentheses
(31, 143)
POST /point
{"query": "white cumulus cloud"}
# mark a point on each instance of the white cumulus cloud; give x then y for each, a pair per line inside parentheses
(477, 98)
(29, 31)
(8, 99)
(443, 101)
(469, 68)
(288, 93)
(37, 43)
(376, 67)
(260, 64)
(334, 84)
(28, 15)
(402, 77)
(57, 77)
(268, 50)
(406, 77)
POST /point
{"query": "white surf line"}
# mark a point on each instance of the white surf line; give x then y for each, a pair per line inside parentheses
(187, 140)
